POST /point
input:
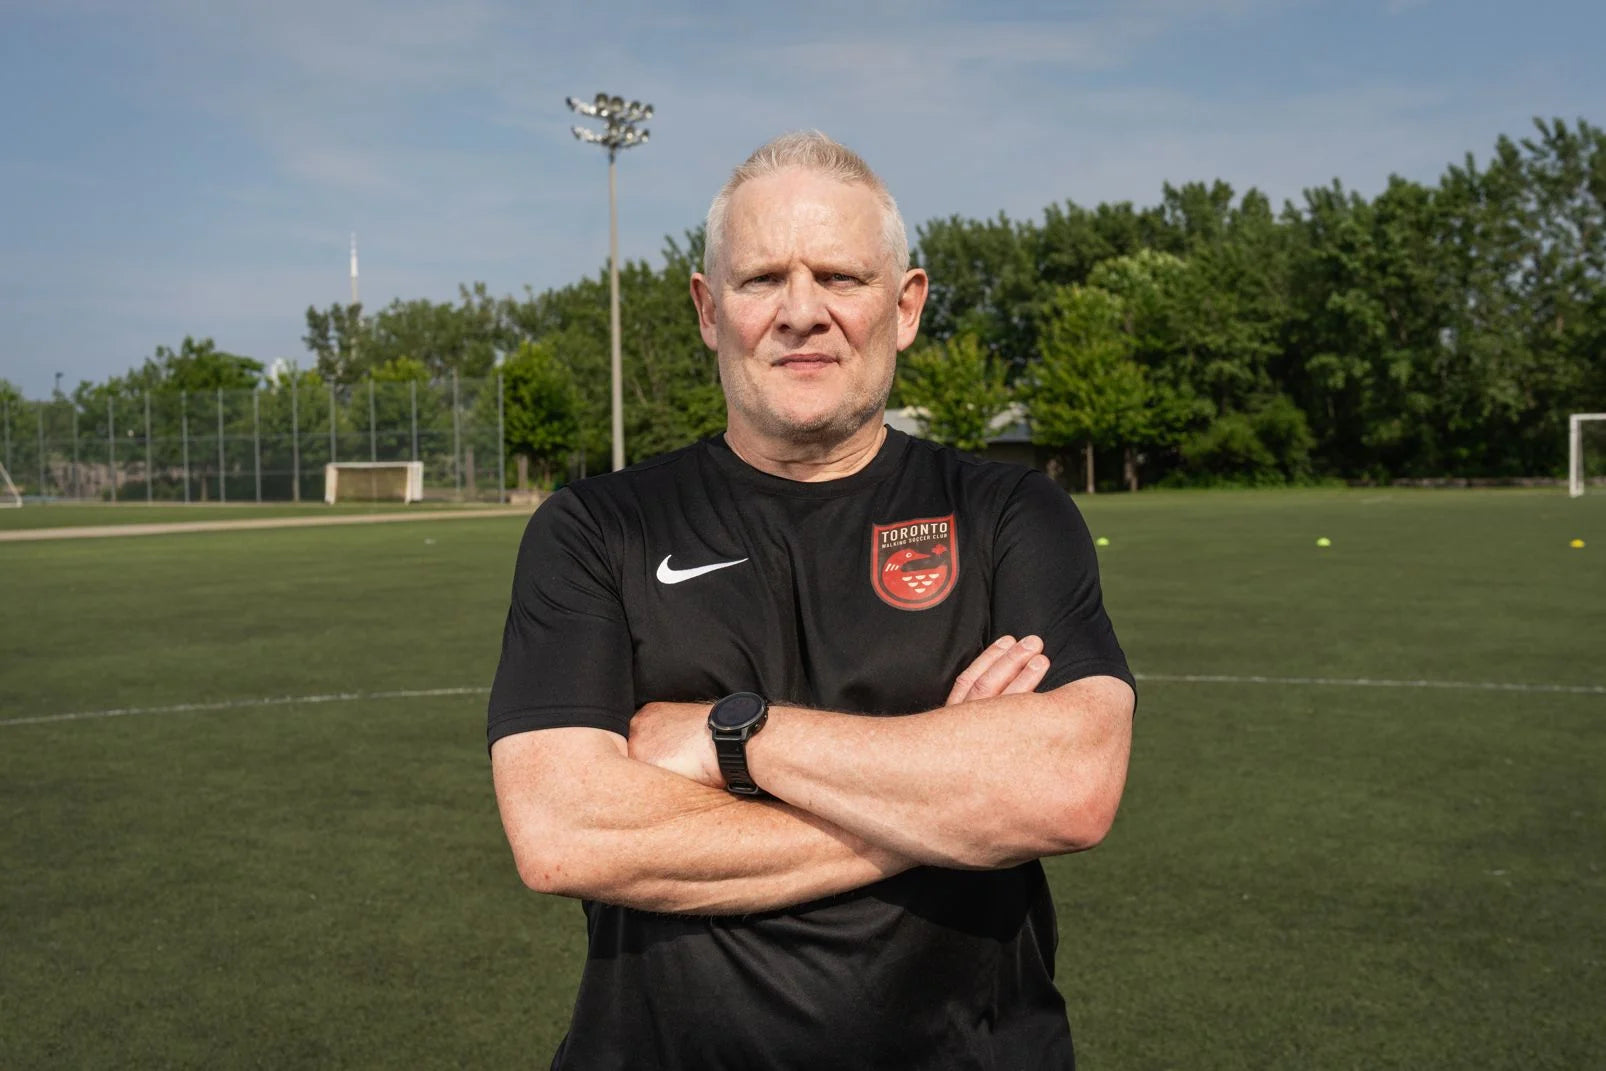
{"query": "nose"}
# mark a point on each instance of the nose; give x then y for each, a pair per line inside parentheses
(803, 310)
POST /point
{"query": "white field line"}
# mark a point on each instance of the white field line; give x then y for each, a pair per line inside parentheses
(1164, 678)
(112, 531)
(1369, 682)
(241, 704)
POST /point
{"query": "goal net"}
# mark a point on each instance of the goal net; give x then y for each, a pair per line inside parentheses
(1586, 451)
(8, 490)
(373, 481)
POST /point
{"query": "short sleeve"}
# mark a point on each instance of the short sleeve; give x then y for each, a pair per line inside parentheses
(566, 650)
(1046, 583)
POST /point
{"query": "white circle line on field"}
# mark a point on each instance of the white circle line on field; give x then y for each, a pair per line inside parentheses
(240, 704)
(1162, 678)
(1370, 682)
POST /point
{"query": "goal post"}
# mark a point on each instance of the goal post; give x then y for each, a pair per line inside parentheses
(373, 481)
(1577, 472)
(9, 498)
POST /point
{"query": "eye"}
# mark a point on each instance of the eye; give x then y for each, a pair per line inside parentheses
(841, 277)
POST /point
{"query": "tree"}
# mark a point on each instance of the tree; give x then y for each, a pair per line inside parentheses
(671, 380)
(188, 389)
(1555, 189)
(541, 409)
(335, 339)
(1156, 293)
(1073, 241)
(1267, 445)
(1086, 389)
(960, 388)
(465, 338)
(1369, 307)
(294, 417)
(671, 377)
(194, 366)
(10, 406)
(984, 282)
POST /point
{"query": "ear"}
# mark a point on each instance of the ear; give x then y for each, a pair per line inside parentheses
(702, 296)
(911, 299)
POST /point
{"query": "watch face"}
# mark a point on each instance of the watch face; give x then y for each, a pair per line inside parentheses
(736, 711)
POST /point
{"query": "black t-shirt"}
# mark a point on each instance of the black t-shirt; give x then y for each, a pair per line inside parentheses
(694, 575)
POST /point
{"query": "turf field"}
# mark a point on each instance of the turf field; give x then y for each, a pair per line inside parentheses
(1304, 874)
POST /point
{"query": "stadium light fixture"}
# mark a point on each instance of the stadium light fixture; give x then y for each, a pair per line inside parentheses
(620, 132)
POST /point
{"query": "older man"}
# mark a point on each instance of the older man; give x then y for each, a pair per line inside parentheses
(751, 708)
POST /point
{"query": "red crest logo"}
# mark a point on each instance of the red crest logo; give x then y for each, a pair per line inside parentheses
(913, 564)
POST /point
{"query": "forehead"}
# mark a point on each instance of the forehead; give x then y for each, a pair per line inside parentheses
(799, 214)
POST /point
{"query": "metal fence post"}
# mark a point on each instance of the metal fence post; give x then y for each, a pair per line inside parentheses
(222, 465)
(111, 445)
(373, 440)
(457, 439)
(413, 398)
(501, 446)
(75, 483)
(40, 413)
(8, 434)
(256, 438)
(184, 436)
(295, 447)
(150, 473)
(333, 448)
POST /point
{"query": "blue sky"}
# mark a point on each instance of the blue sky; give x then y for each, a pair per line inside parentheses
(173, 167)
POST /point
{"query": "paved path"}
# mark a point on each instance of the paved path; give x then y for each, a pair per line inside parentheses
(103, 531)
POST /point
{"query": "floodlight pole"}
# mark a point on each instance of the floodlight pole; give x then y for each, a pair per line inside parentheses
(616, 390)
(621, 133)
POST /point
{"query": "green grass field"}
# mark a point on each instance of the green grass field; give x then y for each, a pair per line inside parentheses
(1304, 875)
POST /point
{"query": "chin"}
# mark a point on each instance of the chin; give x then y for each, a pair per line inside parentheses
(819, 428)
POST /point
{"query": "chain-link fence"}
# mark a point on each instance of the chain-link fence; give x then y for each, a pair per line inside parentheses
(264, 445)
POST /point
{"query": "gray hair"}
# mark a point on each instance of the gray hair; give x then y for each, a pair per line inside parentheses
(809, 150)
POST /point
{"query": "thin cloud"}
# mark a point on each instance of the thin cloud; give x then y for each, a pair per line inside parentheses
(437, 131)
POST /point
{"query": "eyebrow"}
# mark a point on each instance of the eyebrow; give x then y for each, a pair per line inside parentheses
(738, 270)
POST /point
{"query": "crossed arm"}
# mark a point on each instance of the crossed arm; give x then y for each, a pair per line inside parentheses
(646, 823)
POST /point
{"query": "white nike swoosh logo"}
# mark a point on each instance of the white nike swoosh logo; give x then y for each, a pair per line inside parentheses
(666, 575)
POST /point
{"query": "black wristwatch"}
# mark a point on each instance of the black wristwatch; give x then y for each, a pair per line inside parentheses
(733, 721)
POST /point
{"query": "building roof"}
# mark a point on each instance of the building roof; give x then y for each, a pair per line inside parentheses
(1009, 426)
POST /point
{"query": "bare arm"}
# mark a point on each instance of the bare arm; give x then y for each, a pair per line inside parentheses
(992, 783)
(585, 819)
(986, 781)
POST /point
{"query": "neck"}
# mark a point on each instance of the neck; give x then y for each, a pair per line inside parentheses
(809, 462)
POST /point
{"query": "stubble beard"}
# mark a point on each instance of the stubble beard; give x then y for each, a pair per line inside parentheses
(820, 433)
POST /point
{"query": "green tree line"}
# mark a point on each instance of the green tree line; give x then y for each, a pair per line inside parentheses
(1440, 330)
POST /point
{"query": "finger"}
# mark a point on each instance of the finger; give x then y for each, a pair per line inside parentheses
(966, 680)
(1006, 668)
(1029, 677)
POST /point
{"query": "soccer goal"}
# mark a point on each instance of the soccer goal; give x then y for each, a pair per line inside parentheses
(373, 481)
(9, 498)
(1586, 450)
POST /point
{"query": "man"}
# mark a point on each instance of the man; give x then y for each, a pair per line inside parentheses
(776, 880)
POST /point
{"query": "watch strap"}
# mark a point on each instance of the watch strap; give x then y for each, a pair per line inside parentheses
(731, 750)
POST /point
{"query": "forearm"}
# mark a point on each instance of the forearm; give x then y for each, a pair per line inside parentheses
(983, 784)
(628, 833)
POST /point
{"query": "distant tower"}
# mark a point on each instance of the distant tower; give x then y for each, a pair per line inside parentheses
(354, 267)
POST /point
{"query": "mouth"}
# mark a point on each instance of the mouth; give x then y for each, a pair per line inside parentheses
(804, 362)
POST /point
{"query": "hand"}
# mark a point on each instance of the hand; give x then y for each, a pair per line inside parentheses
(674, 737)
(1007, 667)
